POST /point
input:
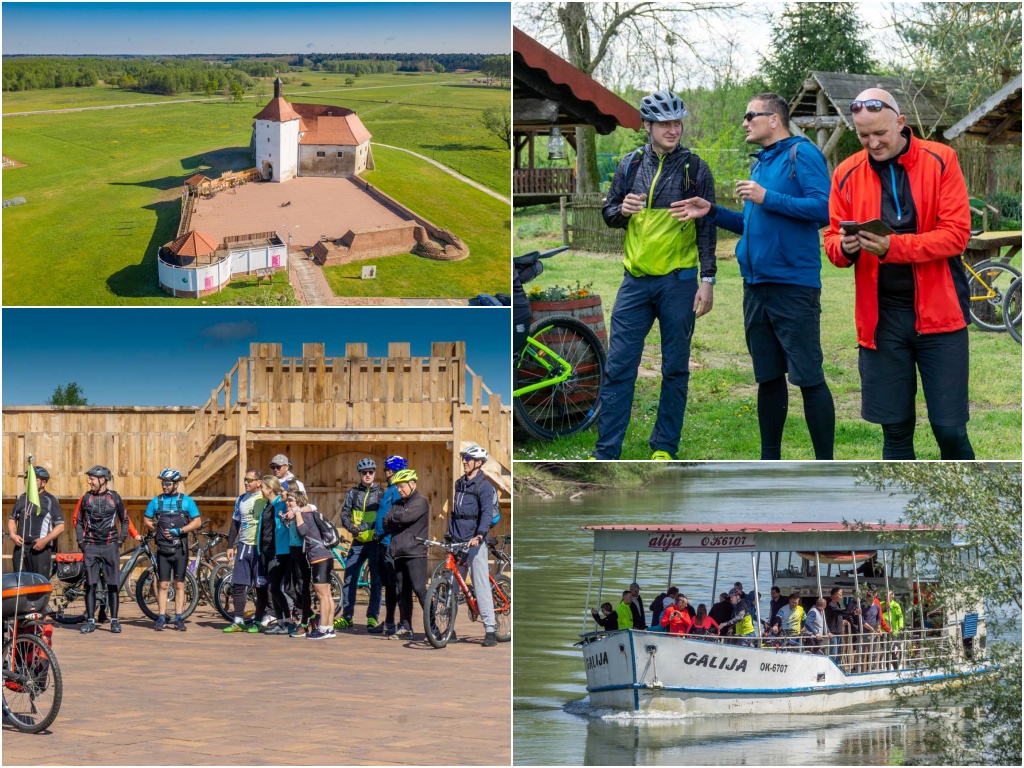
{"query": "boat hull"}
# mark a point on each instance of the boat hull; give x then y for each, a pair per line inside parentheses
(655, 673)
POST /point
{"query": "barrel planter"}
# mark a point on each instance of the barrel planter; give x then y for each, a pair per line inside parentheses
(586, 310)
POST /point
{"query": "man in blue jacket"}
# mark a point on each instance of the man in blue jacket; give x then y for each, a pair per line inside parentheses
(785, 204)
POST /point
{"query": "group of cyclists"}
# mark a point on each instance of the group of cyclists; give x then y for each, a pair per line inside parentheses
(280, 545)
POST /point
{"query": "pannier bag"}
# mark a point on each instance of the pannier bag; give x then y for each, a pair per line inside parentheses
(70, 567)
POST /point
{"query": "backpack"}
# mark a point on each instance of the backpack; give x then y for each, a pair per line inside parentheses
(175, 518)
(328, 530)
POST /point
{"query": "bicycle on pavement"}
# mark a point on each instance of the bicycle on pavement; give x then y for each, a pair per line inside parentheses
(441, 601)
(69, 570)
(32, 684)
(202, 564)
(559, 374)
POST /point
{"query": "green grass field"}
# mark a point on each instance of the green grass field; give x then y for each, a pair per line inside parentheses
(103, 187)
(721, 412)
(479, 219)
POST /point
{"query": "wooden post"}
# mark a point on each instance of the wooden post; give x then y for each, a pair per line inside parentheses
(820, 137)
(565, 220)
(243, 451)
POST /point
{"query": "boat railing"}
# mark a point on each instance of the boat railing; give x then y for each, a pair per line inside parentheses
(855, 652)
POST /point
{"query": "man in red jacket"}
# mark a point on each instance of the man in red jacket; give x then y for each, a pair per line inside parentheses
(911, 293)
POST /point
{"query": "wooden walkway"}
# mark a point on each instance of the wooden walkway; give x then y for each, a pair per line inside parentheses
(206, 698)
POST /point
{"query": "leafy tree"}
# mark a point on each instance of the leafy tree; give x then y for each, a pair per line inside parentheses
(71, 394)
(211, 88)
(498, 120)
(261, 91)
(497, 67)
(350, 81)
(815, 36)
(986, 500)
(237, 91)
(967, 50)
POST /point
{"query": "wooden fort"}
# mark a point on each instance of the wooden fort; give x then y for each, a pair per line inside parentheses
(324, 413)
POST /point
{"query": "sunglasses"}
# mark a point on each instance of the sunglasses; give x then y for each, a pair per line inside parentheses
(369, 472)
(751, 115)
(251, 480)
(871, 105)
(167, 483)
(276, 466)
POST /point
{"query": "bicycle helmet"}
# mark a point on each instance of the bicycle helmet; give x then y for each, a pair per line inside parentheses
(100, 471)
(170, 476)
(474, 451)
(404, 476)
(662, 106)
(364, 464)
(281, 460)
(41, 473)
(395, 463)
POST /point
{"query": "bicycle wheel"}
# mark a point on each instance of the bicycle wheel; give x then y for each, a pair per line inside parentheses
(501, 593)
(987, 288)
(223, 599)
(439, 612)
(69, 604)
(33, 687)
(146, 591)
(1012, 310)
(568, 406)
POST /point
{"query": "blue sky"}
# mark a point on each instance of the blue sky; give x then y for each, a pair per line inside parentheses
(256, 27)
(176, 356)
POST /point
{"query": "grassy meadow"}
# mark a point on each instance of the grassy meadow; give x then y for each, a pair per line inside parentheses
(103, 187)
(721, 412)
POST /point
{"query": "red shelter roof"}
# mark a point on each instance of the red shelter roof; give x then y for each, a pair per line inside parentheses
(194, 244)
(540, 73)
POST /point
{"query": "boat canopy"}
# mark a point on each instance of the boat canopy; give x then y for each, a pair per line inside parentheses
(765, 537)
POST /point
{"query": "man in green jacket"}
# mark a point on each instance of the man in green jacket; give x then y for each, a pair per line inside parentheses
(624, 611)
(669, 271)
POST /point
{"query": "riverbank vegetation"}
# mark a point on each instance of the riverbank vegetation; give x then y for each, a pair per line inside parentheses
(548, 479)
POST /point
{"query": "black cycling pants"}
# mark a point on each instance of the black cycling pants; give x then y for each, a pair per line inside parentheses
(411, 579)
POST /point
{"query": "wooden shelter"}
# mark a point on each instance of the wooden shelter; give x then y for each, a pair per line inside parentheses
(548, 91)
(324, 413)
(823, 106)
(997, 120)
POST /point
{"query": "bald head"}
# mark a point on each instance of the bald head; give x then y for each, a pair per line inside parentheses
(879, 124)
(878, 93)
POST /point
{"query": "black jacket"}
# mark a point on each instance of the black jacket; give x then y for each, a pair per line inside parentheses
(721, 612)
(834, 618)
(407, 519)
(639, 619)
(609, 623)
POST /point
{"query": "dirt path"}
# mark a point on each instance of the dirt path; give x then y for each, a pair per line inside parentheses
(449, 171)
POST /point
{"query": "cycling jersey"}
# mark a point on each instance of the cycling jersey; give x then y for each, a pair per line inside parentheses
(245, 519)
(97, 516)
(361, 505)
(391, 495)
(33, 526)
(171, 510)
(790, 618)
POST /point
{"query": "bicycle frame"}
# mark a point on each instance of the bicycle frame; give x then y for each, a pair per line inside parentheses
(991, 293)
(450, 564)
(539, 358)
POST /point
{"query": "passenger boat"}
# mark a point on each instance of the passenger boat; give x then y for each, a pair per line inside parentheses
(655, 672)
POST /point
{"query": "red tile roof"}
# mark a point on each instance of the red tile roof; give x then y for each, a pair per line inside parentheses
(194, 244)
(195, 181)
(278, 111)
(347, 131)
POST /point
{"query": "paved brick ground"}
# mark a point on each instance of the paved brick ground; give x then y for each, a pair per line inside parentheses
(205, 698)
(318, 206)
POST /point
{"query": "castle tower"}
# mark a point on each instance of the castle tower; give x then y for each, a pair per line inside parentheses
(278, 128)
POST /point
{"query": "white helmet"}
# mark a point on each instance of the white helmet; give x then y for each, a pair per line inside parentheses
(474, 451)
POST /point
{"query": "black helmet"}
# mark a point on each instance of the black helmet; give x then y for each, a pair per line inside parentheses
(100, 471)
(662, 106)
(41, 473)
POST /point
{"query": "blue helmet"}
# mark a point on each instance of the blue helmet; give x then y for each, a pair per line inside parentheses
(395, 463)
(170, 476)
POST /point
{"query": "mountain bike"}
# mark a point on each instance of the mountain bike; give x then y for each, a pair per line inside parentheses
(441, 604)
(988, 282)
(32, 684)
(1012, 310)
(202, 565)
(559, 374)
(502, 560)
(223, 600)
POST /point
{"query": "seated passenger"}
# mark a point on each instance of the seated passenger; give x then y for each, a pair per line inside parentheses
(814, 627)
(624, 611)
(790, 618)
(660, 603)
(607, 619)
(702, 623)
(677, 618)
(721, 611)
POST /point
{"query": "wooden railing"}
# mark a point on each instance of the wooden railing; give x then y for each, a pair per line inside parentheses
(543, 181)
(188, 201)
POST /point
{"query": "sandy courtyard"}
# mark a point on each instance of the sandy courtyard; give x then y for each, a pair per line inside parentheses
(319, 206)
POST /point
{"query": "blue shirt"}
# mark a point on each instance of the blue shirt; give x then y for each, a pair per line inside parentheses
(282, 531)
(391, 495)
(168, 502)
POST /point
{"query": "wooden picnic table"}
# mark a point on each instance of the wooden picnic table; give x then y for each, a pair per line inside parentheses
(267, 273)
(989, 245)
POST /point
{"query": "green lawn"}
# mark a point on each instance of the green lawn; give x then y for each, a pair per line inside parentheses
(479, 219)
(721, 413)
(103, 191)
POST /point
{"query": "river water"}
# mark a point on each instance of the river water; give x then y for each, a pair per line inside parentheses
(552, 721)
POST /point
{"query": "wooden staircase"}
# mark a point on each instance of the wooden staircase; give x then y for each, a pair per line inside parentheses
(210, 465)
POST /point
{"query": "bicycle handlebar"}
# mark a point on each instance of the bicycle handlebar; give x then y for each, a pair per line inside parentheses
(446, 546)
(533, 256)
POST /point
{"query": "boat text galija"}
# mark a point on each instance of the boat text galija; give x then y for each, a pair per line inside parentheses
(852, 622)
